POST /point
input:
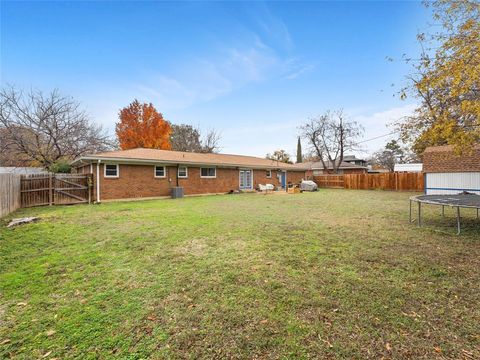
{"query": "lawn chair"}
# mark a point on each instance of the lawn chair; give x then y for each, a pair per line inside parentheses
(266, 188)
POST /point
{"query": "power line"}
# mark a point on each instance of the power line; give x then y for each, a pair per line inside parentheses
(393, 132)
(376, 137)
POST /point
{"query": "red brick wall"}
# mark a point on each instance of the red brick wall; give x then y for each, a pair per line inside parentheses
(295, 177)
(226, 180)
(137, 181)
(443, 159)
(260, 177)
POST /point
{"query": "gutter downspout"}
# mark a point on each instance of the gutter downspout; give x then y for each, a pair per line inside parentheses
(98, 181)
(178, 165)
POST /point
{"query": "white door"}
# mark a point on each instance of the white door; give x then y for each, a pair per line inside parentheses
(246, 179)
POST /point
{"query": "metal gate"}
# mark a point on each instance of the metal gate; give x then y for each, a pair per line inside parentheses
(55, 189)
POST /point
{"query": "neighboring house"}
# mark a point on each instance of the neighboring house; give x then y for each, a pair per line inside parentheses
(416, 167)
(352, 159)
(377, 169)
(21, 170)
(316, 168)
(447, 173)
(138, 173)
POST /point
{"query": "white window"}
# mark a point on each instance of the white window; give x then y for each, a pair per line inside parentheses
(208, 172)
(160, 171)
(269, 174)
(111, 170)
(182, 172)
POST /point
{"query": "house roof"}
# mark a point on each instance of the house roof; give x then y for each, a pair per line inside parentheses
(142, 155)
(352, 158)
(445, 148)
(319, 166)
(443, 159)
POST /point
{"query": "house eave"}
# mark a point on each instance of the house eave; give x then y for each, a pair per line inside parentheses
(91, 159)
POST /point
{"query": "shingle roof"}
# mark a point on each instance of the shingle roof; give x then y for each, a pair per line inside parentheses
(351, 158)
(442, 159)
(445, 148)
(180, 157)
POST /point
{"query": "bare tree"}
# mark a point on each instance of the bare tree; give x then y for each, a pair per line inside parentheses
(384, 159)
(280, 155)
(189, 138)
(211, 142)
(185, 138)
(47, 128)
(9, 154)
(331, 135)
(393, 153)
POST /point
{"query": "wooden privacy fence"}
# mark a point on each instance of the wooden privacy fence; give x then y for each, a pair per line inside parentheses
(9, 193)
(56, 189)
(329, 181)
(385, 181)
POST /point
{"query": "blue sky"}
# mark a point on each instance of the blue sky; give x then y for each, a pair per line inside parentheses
(254, 71)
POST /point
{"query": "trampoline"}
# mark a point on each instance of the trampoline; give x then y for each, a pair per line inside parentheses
(457, 201)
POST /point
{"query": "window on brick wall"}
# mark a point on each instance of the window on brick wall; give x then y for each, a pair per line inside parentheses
(182, 172)
(208, 172)
(269, 174)
(111, 170)
(160, 171)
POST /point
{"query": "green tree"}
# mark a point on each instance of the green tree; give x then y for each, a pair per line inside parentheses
(299, 151)
(61, 166)
(446, 80)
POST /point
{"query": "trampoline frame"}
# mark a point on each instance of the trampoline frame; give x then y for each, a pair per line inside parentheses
(420, 201)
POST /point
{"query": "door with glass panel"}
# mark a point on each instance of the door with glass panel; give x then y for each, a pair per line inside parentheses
(246, 179)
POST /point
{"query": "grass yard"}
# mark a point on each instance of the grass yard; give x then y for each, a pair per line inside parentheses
(334, 274)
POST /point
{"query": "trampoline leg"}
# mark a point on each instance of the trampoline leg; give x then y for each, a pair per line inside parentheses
(443, 210)
(477, 213)
(419, 221)
(458, 220)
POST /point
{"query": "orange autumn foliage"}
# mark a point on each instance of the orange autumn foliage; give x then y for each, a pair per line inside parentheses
(141, 125)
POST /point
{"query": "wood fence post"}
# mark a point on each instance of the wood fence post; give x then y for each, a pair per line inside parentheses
(50, 189)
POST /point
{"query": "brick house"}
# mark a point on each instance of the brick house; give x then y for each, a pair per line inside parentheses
(448, 173)
(140, 173)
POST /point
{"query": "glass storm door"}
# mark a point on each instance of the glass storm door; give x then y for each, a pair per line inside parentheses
(245, 179)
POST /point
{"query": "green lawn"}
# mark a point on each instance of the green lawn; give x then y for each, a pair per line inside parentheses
(333, 274)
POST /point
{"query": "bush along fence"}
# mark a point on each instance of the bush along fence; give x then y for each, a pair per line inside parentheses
(9, 193)
(385, 181)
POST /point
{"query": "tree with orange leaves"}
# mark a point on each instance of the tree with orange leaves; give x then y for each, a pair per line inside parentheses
(141, 125)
